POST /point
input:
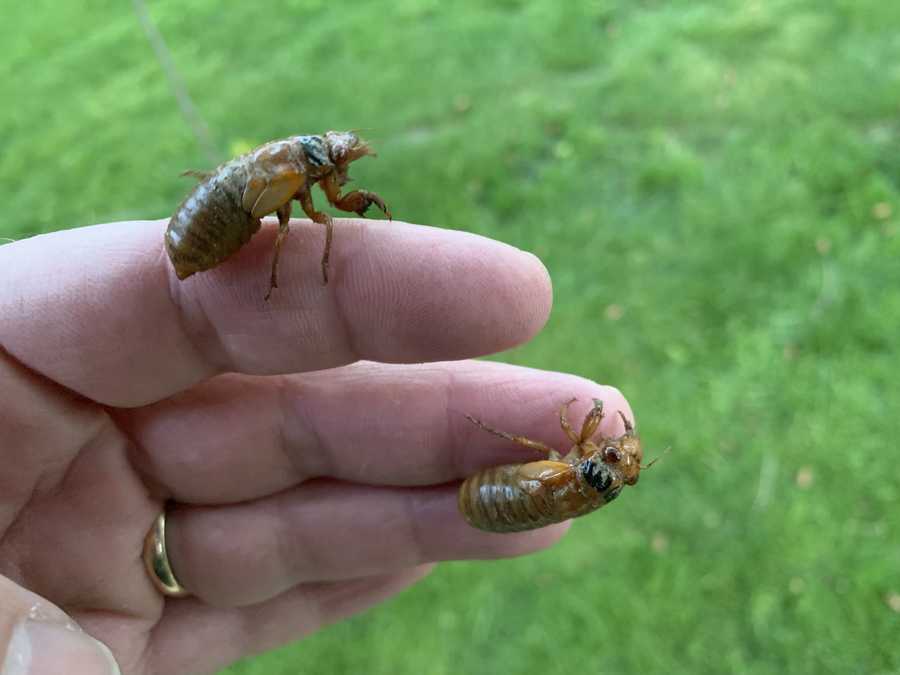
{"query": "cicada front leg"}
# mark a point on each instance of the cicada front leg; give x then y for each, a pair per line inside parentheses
(544, 471)
(521, 440)
(359, 202)
(564, 421)
(588, 428)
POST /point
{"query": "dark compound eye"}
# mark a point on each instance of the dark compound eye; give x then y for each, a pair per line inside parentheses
(611, 455)
(597, 475)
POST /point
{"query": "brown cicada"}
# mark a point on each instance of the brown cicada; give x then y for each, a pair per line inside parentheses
(516, 497)
(226, 207)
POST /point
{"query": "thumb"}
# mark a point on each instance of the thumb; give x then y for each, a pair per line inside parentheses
(38, 638)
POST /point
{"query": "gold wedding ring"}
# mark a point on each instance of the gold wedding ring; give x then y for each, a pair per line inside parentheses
(156, 560)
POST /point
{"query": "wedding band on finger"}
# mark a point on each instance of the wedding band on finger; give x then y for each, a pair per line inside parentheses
(156, 561)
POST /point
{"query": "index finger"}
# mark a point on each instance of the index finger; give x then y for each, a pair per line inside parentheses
(100, 311)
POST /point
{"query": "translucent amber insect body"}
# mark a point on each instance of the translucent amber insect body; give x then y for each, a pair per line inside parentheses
(225, 209)
(516, 497)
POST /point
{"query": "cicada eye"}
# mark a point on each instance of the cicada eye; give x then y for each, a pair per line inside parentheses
(611, 455)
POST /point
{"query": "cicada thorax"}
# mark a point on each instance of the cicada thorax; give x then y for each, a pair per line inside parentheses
(509, 498)
(211, 224)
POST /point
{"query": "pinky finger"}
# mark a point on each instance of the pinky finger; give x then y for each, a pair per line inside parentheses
(193, 637)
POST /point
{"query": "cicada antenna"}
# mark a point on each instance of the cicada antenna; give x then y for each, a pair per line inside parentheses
(367, 141)
(656, 459)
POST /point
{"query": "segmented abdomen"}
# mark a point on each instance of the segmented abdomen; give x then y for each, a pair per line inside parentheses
(211, 224)
(494, 500)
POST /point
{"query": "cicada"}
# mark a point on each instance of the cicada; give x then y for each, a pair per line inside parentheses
(226, 207)
(516, 497)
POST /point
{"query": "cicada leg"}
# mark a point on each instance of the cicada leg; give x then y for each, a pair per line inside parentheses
(357, 201)
(521, 440)
(543, 470)
(564, 422)
(588, 428)
(284, 218)
(305, 199)
(591, 421)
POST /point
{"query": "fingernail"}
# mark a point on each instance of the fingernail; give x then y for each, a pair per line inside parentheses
(50, 648)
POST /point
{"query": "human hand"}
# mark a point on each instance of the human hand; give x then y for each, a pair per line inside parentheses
(296, 498)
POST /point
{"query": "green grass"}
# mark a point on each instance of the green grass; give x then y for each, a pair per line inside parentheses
(715, 188)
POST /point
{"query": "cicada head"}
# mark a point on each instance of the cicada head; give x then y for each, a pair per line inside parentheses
(610, 466)
(345, 147)
(625, 453)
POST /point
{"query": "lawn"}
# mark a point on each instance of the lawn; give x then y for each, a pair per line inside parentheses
(714, 186)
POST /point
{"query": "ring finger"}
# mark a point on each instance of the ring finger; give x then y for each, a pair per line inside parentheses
(323, 531)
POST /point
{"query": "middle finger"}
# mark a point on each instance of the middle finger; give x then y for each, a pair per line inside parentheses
(239, 438)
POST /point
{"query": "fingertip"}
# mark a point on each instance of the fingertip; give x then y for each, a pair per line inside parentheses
(615, 402)
(538, 293)
(451, 294)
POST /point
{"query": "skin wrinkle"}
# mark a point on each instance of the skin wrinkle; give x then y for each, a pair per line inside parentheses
(282, 542)
(322, 602)
(249, 624)
(296, 613)
(285, 398)
(146, 458)
(155, 643)
(42, 382)
(252, 626)
(233, 358)
(56, 474)
(414, 534)
(299, 554)
(91, 594)
(350, 339)
(286, 541)
(213, 341)
(298, 537)
(90, 620)
(413, 539)
(154, 489)
(310, 425)
(161, 624)
(89, 616)
(38, 492)
(442, 379)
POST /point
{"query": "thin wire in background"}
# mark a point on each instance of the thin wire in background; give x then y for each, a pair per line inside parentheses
(188, 109)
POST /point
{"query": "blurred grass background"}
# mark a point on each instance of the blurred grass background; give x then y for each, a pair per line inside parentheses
(715, 188)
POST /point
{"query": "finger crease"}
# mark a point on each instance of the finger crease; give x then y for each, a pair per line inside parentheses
(208, 335)
(415, 533)
(285, 394)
